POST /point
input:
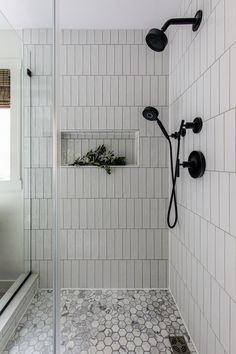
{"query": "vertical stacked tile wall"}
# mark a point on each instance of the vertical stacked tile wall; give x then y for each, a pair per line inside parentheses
(113, 228)
(203, 246)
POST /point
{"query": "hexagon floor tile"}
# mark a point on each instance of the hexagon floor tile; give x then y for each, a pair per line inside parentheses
(101, 322)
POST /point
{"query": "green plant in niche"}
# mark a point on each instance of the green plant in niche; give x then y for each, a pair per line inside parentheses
(100, 157)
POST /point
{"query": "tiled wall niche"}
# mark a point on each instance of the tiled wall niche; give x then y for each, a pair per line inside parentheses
(75, 144)
(203, 246)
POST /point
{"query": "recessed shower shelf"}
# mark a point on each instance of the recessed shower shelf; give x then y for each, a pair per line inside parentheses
(77, 143)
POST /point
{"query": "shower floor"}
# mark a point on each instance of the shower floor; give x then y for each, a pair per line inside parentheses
(101, 321)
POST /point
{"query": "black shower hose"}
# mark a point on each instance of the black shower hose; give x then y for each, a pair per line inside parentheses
(174, 175)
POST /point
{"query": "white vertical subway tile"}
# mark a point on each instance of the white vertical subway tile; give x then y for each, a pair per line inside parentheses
(122, 274)
(114, 274)
(147, 274)
(130, 274)
(230, 265)
(211, 246)
(215, 89)
(229, 141)
(134, 58)
(220, 29)
(138, 282)
(110, 244)
(118, 244)
(232, 77)
(106, 274)
(224, 82)
(224, 201)
(110, 59)
(215, 198)
(90, 274)
(98, 274)
(232, 325)
(219, 143)
(230, 9)
(118, 60)
(232, 204)
(220, 256)
(224, 319)
(211, 38)
(94, 244)
(102, 244)
(126, 59)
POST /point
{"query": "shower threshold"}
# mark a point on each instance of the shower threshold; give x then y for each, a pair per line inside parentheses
(16, 308)
(9, 288)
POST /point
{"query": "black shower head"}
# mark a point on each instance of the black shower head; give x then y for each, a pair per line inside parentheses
(151, 113)
(156, 38)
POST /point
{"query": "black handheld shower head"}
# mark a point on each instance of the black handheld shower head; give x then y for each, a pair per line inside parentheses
(156, 38)
(151, 113)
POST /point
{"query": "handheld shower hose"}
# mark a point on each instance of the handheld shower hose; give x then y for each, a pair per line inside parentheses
(151, 113)
(174, 175)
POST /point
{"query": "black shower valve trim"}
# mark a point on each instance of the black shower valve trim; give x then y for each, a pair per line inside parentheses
(196, 164)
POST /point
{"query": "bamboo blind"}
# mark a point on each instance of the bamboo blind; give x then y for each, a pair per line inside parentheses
(5, 88)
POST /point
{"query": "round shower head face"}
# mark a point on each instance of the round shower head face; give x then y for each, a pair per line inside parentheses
(150, 113)
(156, 40)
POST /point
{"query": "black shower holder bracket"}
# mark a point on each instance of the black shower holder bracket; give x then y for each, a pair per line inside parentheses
(196, 164)
(195, 126)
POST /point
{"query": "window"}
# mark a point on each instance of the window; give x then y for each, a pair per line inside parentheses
(5, 125)
(10, 123)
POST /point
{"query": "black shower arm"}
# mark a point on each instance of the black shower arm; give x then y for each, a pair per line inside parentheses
(178, 21)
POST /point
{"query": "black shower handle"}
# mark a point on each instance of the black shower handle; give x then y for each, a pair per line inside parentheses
(163, 129)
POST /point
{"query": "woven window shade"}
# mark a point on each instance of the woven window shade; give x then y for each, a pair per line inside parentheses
(5, 88)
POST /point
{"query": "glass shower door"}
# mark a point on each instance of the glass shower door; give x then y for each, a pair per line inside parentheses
(14, 182)
(26, 199)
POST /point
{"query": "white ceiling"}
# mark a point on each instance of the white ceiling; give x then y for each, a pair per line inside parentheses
(90, 13)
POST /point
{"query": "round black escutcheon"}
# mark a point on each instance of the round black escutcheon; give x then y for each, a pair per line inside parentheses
(197, 164)
(198, 21)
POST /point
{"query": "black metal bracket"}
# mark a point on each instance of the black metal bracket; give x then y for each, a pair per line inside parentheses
(194, 21)
(196, 164)
(196, 125)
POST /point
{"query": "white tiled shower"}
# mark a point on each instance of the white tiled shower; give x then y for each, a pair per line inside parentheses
(113, 231)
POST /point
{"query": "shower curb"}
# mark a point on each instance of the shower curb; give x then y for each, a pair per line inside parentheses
(11, 317)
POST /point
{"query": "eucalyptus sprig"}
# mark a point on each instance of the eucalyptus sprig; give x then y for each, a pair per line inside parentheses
(100, 157)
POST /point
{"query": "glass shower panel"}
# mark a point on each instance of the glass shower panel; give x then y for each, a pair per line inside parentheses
(14, 238)
(26, 197)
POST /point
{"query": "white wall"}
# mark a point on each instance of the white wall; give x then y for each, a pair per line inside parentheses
(11, 235)
(203, 246)
(11, 194)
